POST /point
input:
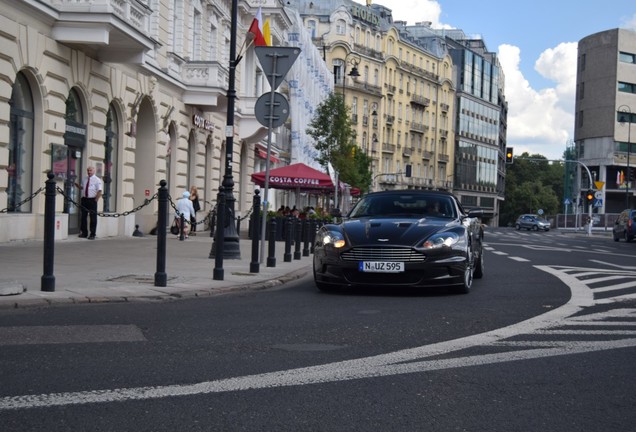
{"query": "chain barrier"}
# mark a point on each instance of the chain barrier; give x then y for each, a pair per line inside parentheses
(208, 217)
(24, 201)
(102, 214)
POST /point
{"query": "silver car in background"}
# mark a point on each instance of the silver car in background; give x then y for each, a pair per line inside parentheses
(532, 222)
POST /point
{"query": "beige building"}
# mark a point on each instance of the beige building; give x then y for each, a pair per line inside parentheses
(604, 131)
(135, 88)
(402, 99)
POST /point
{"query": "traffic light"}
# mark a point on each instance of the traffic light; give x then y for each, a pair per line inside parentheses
(589, 196)
(509, 155)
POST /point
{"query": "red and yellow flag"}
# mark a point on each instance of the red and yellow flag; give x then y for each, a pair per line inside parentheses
(256, 29)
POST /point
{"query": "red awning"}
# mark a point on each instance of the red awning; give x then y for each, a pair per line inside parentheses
(296, 176)
(263, 154)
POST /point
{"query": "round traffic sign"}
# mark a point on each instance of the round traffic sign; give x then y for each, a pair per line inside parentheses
(279, 114)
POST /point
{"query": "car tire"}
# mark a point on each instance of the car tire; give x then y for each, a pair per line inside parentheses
(518, 227)
(535, 228)
(469, 272)
(321, 285)
(479, 266)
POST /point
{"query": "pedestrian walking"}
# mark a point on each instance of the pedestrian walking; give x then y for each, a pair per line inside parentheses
(184, 207)
(194, 197)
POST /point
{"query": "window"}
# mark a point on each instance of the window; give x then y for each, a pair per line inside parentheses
(196, 36)
(627, 57)
(626, 87)
(311, 26)
(20, 162)
(111, 156)
(341, 27)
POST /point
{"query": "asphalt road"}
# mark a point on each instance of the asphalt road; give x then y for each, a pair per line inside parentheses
(545, 341)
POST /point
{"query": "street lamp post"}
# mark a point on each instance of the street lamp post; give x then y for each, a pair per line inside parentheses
(626, 111)
(230, 245)
(354, 73)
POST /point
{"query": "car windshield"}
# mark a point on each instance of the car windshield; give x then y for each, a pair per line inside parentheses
(408, 205)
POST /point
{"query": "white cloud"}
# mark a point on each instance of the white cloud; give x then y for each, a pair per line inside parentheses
(540, 121)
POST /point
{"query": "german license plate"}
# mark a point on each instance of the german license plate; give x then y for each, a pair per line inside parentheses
(381, 266)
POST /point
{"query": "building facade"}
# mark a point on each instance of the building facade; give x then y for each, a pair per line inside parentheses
(429, 99)
(605, 107)
(135, 88)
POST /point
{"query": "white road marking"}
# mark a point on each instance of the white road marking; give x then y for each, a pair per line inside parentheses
(519, 259)
(413, 360)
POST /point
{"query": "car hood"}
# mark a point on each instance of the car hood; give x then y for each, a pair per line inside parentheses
(393, 231)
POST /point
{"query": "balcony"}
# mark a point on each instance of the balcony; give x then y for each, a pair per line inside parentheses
(390, 119)
(367, 88)
(390, 88)
(441, 157)
(444, 107)
(417, 127)
(205, 80)
(388, 148)
(354, 119)
(420, 100)
(407, 151)
(428, 155)
(116, 30)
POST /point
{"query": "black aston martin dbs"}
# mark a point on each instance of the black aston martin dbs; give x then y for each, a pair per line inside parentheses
(401, 238)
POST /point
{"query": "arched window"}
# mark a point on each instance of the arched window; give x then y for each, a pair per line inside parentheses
(20, 166)
(111, 158)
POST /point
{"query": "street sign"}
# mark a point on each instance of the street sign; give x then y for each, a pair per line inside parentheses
(567, 201)
(599, 185)
(598, 203)
(284, 57)
(279, 114)
(598, 194)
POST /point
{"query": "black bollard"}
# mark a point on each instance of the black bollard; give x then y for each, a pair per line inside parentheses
(47, 282)
(220, 235)
(255, 264)
(305, 237)
(181, 227)
(297, 238)
(271, 256)
(289, 229)
(161, 278)
(313, 225)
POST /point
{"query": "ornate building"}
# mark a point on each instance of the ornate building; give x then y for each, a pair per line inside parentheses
(135, 88)
(400, 92)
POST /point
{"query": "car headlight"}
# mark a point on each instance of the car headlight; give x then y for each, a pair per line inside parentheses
(440, 240)
(334, 238)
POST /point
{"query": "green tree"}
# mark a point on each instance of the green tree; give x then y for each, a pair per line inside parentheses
(532, 183)
(331, 130)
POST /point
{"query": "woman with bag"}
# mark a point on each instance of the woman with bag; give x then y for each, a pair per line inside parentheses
(184, 207)
(194, 197)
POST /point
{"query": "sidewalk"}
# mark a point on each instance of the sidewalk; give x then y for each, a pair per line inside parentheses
(123, 269)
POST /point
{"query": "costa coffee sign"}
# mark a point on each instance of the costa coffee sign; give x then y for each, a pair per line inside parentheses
(294, 181)
(202, 123)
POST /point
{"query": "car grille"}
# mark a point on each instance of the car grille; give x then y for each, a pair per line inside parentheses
(383, 254)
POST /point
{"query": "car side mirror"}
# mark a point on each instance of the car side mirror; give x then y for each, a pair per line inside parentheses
(476, 213)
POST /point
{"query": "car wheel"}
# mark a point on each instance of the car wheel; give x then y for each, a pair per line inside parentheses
(518, 227)
(467, 283)
(479, 266)
(535, 228)
(321, 285)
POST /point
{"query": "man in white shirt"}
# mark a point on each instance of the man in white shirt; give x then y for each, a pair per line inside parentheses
(91, 193)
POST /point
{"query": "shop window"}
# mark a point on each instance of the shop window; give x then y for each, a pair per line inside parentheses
(20, 163)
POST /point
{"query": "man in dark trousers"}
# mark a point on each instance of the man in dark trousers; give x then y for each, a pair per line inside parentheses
(91, 193)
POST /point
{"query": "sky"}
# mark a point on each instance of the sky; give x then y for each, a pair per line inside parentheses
(536, 42)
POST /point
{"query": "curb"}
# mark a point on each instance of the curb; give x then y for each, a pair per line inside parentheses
(184, 295)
